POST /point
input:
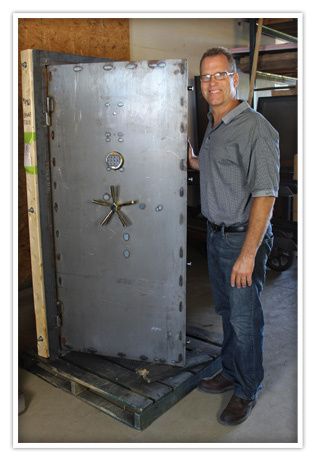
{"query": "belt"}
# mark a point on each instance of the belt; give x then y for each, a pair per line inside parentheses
(231, 229)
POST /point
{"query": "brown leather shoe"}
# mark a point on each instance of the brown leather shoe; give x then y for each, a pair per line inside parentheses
(216, 385)
(236, 411)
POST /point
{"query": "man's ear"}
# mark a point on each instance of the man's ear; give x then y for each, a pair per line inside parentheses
(236, 79)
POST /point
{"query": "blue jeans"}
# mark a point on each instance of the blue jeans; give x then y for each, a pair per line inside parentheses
(240, 309)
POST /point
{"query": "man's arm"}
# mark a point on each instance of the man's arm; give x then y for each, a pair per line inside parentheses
(193, 160)
(260, 214)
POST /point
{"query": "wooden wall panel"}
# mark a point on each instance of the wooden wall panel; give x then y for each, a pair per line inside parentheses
(81, 36)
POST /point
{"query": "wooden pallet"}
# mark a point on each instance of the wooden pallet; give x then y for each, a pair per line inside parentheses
(118, 388)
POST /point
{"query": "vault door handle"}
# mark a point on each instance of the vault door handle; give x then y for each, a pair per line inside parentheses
(115, 206)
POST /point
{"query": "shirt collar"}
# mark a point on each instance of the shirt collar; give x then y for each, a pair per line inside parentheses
(233, 113)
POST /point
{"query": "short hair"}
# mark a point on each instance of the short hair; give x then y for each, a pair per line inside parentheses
(220, 51)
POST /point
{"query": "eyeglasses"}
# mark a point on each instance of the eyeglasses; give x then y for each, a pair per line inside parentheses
(217, 76)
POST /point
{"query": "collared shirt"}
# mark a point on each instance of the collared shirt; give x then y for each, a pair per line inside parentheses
(239, 160)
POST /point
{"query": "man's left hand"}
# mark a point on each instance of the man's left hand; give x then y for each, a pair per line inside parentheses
(242, 271)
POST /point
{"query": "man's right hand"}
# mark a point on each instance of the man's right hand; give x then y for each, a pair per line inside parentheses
(193, 160)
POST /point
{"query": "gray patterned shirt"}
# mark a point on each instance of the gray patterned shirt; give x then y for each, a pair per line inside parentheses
(239, 160)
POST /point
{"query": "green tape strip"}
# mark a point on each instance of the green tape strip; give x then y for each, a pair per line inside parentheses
(29, 137)
(31, 170)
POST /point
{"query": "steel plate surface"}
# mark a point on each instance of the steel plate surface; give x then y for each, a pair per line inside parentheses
(121, 268)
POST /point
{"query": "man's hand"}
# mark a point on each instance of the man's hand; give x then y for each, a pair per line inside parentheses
(242, 271)
(193, 160)
(260, 214)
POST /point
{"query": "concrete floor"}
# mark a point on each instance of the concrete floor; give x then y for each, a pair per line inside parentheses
(53, 416)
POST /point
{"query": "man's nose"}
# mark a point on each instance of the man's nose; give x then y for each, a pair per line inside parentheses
(212, 81)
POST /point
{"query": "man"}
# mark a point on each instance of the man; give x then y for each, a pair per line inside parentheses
(239, 180)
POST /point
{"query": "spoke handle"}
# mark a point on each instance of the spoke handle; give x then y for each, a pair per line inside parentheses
(115, 206)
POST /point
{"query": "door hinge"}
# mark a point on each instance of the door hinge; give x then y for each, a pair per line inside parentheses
(49, 109)
(59, 314)
(59, 321)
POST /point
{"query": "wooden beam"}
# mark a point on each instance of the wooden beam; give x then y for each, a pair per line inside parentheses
(277, 63)
(30, 164)
(255, 61)
(269, 21)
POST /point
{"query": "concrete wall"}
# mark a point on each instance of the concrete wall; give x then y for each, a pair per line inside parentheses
(184, 38)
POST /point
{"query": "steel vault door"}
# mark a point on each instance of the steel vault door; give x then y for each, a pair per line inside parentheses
(118, 139)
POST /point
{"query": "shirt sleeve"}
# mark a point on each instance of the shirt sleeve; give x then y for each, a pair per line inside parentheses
(264, 165)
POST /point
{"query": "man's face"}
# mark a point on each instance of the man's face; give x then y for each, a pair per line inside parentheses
(218, 93)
